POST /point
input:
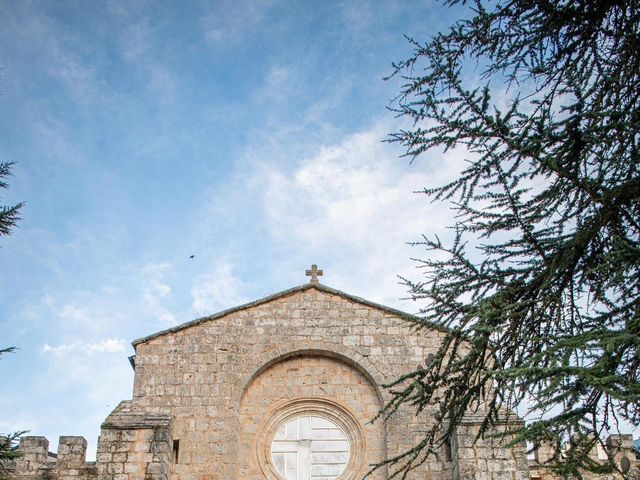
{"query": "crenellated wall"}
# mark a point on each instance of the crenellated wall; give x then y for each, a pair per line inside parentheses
(136, 445)
(37, 462)
(132, 446)
(618, 447)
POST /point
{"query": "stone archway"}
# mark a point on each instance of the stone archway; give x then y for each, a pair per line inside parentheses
(314, 385)
(293, 349)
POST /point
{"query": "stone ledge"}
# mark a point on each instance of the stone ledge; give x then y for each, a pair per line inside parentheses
(126, 417)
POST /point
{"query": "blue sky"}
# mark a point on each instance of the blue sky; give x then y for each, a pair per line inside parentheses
(248, 134)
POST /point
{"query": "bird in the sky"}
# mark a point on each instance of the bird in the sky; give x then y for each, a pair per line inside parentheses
(192, 257)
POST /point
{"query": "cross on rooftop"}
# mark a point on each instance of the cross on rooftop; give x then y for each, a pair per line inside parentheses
(314, 273)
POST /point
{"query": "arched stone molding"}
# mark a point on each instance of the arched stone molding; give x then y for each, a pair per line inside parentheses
(336, 413)
(319, 381)
(295, 349)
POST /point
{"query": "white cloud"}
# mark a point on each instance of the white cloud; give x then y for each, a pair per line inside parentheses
(67, 60)
(156, 291)
(349, 206)
(77, 314)
(217, 290)
(71, 311)
(279, 79)
(109, 345)
(354, 193)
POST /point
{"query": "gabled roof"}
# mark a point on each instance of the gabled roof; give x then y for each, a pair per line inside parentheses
(284, 293)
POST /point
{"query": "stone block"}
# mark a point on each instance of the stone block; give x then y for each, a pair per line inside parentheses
(71, 451)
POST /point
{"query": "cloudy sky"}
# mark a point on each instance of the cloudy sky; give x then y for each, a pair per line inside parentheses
(246, 133)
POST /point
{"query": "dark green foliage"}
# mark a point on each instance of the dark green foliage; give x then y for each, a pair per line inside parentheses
(540, 285)
(8, 442)
(8, 451)
(9, 215)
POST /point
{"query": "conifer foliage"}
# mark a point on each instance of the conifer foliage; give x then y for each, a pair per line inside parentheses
(8, 451)
(9, 217)
(9, 214)
(9, 442)
(540, 282)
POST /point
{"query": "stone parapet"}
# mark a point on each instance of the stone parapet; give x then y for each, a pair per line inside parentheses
(34, 459)
(135, 445)
(617, 448)
(37, 463)
(491, 457)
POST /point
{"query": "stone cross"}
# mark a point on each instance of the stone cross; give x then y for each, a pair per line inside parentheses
(314, 273)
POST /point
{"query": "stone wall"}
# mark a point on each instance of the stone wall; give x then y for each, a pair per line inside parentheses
(37, 463)
(199, 374)
(488, 458)
(619, 448)
(135, 445)
(209, 395)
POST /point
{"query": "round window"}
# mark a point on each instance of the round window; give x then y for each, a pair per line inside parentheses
(310, 446)
(311, 438)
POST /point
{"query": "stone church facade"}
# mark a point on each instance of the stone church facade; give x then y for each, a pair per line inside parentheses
(281, 388)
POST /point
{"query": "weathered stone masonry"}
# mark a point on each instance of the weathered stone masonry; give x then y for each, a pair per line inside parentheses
(69, 463)
(210, 394)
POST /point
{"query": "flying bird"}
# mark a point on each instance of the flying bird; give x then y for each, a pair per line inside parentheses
(192, 257)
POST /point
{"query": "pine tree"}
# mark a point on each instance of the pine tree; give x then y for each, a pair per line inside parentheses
(539, 285)
(8, 451)
(8, 443)
(9, 215)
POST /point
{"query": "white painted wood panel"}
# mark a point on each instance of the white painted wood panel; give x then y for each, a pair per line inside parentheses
(310, 448)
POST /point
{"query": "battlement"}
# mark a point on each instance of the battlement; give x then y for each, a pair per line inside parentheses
(133, 445)
(37, 462)
(619, 448)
